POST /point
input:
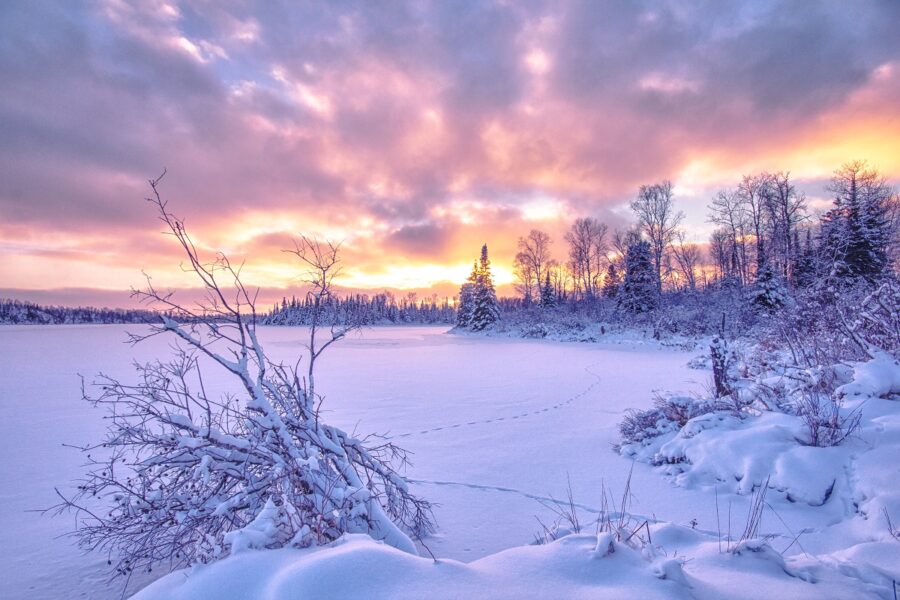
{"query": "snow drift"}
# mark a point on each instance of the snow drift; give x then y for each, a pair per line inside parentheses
(684, 564)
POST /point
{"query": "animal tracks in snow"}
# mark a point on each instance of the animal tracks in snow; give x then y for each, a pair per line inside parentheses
(530, 496)
(530, 413)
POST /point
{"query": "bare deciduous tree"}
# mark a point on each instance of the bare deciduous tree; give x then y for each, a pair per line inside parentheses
(728, 212)
(587, 254)
(688, 257)
(786, 211)
(323, 266)
(531, 263)
(753, 192)
(658, 220)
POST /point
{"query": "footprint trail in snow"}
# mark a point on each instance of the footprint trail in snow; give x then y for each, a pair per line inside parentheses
(531, 413)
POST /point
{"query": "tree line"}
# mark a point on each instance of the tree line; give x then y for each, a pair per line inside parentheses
(13, 312)
(362, 309)
(766, 244)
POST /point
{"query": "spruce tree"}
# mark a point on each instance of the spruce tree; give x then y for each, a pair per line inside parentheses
(548, 295)
(805, 265)
(770, 293)
(485, 309)
(639, 289)
(855, 233)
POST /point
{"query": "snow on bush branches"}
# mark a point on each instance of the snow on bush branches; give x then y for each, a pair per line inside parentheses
(184, 474)
(771, 421)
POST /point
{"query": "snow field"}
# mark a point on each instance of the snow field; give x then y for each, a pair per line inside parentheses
(494, 426)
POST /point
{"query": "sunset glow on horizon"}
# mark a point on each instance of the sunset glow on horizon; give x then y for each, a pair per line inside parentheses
(412, 134)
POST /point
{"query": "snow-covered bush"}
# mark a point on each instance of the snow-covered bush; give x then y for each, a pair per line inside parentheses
(827, 424)
(722, 360)
(669, 413)
(837, 322)
(876, 325)
(182, 474)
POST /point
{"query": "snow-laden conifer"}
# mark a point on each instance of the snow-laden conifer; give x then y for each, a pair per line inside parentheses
(548, 294)
(639, 288)
(485, 308)
(770, 292)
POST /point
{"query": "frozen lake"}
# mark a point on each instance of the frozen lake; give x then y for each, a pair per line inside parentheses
(491, 423)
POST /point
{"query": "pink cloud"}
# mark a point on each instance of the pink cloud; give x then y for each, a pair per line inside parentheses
(413, 132)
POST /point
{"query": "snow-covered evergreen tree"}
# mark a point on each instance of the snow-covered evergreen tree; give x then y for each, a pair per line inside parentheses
(856, 233)
(485, 309)
(805, 264)
(639, 289)
(770, 292)
(548, 294)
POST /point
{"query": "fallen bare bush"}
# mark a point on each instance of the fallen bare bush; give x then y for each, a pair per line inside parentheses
(183, 476)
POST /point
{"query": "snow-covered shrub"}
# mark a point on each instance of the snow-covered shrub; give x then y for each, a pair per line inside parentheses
(535, 330)
(669, 413)
(185, 474)
(877, 320)
(827, 424)
(816, 327)
(722, 360)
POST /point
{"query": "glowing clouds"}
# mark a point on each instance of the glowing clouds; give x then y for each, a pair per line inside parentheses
(411, 132)
(543, 209)
(538, 62)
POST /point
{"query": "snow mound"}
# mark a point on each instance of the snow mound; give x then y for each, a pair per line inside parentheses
(878, 377)
(857, 480)
(576, 566)
(742, 454)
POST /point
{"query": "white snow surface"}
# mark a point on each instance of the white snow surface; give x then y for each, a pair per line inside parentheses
(494, 425)
(575, 567)
(877, 377)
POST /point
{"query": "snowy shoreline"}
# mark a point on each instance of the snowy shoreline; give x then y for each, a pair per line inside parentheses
(853, 555)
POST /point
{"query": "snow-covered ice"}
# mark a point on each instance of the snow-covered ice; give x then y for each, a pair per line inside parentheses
(494, 425)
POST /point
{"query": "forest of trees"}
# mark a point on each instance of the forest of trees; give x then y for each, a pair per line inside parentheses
(14, 312)
(767, 247)
(361, 309)
(358, 309)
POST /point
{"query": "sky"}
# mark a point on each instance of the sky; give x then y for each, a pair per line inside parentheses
(410, 132)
